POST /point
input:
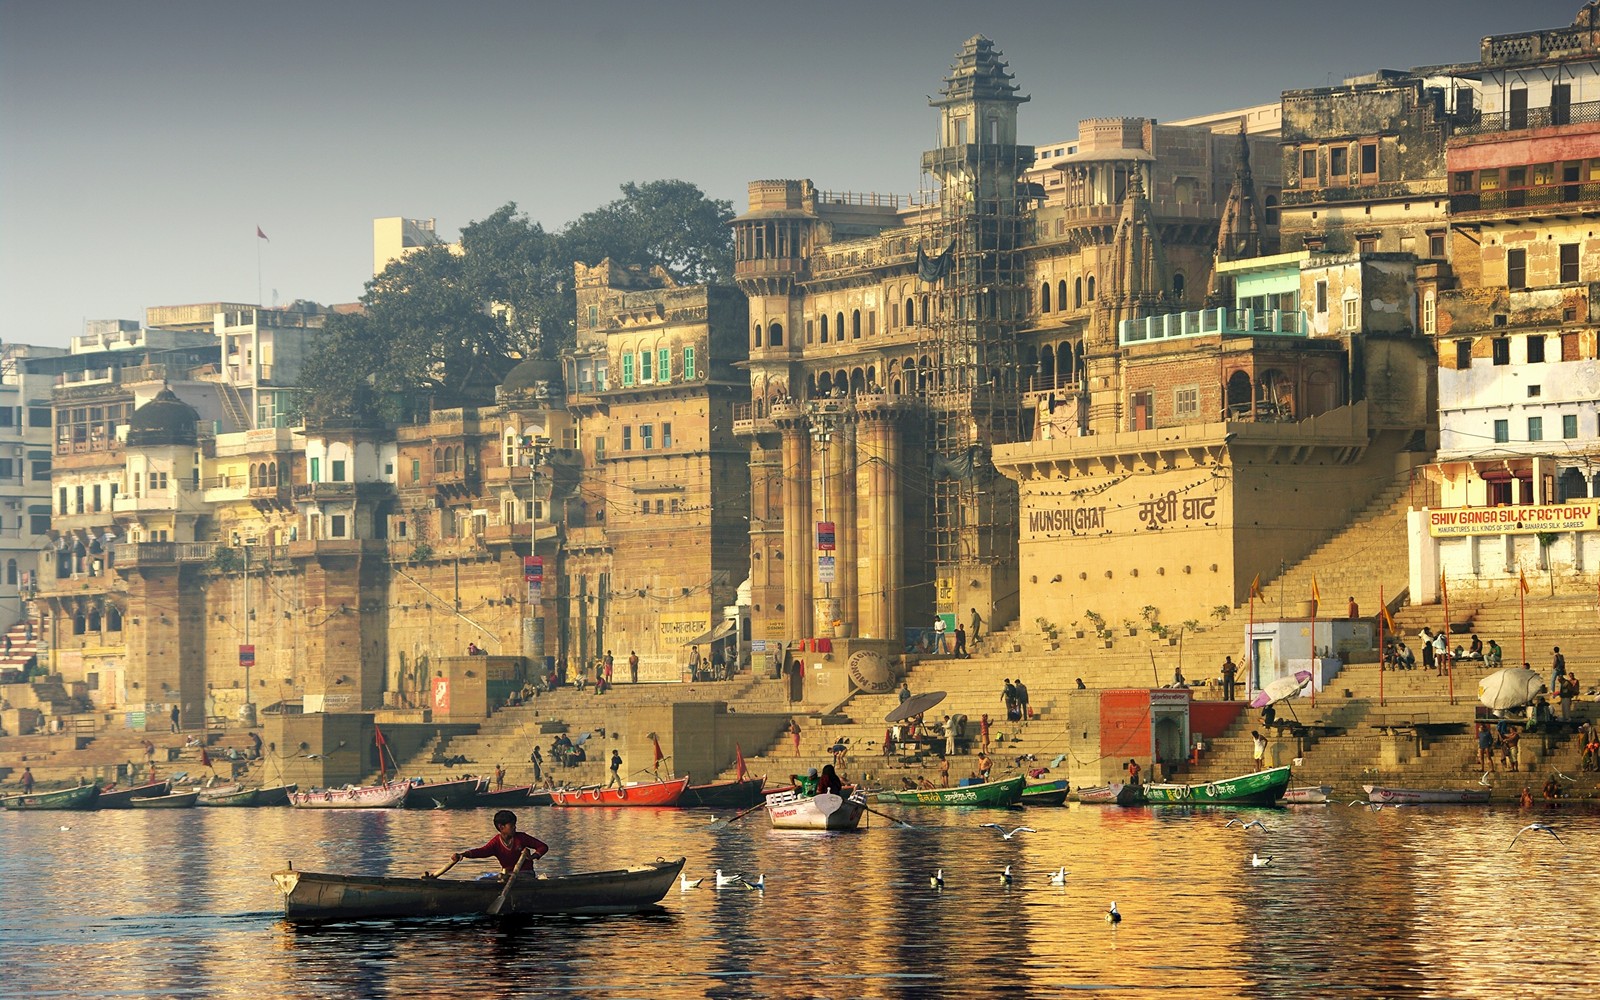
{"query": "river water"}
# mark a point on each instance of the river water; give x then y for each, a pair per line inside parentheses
(1403, 902)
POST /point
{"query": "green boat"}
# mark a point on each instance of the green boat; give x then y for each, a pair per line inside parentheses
(1263, 788)
(80, 797)
(1006, 792)
(1046, 793)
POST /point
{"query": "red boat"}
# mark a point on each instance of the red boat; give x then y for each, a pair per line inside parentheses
(651, 793)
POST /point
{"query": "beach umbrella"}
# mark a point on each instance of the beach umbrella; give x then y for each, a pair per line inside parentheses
(1281, 689)
(1511, 687)
(914, 706)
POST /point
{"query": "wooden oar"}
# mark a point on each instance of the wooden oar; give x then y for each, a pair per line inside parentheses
(496, 907)
(880, 812)
(722, 821)
(452, 864)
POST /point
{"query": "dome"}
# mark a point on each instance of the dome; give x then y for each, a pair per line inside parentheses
(165, 420)
(530, 374)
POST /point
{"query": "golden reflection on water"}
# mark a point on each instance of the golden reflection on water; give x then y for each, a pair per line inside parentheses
(1402, 902)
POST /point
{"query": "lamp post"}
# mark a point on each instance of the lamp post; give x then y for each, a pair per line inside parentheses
(533, 450)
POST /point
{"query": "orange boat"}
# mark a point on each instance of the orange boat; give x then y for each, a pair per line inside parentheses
(650, 793)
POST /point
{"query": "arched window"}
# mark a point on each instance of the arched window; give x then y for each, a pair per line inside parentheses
(824, 384)
(255, 476)
(1044, 297)
(1177, 284)
(280, 474)
(775, 335)
(855, 325)
(838, 326)
(911, 311)
(1077, 292)
(1047, 363)
(1571, 486)
(438, 460)
(113, 619)
(823, 324)
(925, 313)
(1272, 210)
(1091, 288)
(758, 334)
(1061, 294)
(858, 380)
(1239, 395)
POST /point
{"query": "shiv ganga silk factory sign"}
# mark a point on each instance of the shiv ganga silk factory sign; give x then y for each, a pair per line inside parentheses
(1462, 521)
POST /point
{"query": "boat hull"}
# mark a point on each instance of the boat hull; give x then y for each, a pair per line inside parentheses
(789, 811)
(654, 793)
(461, 794)
(1307, 795)
(1115, 794)
(277, 795)
(993, 794)
(1426, 796)
(229, 798)
(1261, 788)
(79, 797)
(123, 798)
(390, 796)
(312, 896)
(172, 800)
(505, 797)
(723, 794)
(1046, 793)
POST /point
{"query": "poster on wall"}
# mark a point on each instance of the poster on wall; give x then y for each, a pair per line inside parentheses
(441, 695)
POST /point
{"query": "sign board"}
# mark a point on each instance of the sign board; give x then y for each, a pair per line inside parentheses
(825, 569)
(1514, 520)
(758, 645)
(441, 695)
(824, 536)
(247, 655)
(532, 568)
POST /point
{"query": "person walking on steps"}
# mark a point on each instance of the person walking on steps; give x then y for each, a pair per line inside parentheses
(616, 769)
(975, 628)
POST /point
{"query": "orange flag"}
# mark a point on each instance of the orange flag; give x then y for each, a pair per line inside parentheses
(1255, 586)
(1523, 579)
(1316, 595)
(739, 755)
(1443, 590)
(1388, 619)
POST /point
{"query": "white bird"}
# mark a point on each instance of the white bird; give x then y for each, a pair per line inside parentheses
(1484, 781)
(1005, 876)
(64, 829)
(1257, 861)
(1059, 876)
(936, 880)
(723, 881)
(1112, 916)
(1245, 826)
(685, 883)
(1541, 828)
(761, 883)
(1007, 836)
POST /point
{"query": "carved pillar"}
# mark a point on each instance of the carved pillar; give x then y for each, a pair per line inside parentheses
(880, 554)
(797, 558)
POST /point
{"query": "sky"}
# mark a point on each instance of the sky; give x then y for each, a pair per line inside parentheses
(143, 143)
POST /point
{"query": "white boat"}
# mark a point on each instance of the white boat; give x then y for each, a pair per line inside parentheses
(387, 796)
(1307, 795)
(1426, 796)
(827, 811)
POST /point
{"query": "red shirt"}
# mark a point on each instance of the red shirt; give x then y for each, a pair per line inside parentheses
(506, 854)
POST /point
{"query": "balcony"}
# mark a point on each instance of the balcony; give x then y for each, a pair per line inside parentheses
(1544, 199)
(1211, 322)
(1555, 115)
(320, 492)
(751, 418)
(1469, 311)
(132, 555)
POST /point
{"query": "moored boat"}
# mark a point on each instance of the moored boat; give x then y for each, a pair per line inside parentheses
(170, 800)
(1259, 788)
(462, 793)
(1307, 795)
(1005, 792)
(789, 810)
(649, 793)
(1117, 793)
(732, 794)
(1426, 796)
(1045, 793)
(121, 798)
(276, 795)
(77, 797)
(505, 797)
(229, 797)
(389, 796)
(313, 896)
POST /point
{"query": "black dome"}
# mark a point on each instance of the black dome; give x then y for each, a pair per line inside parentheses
(165, 420)
(528, 374)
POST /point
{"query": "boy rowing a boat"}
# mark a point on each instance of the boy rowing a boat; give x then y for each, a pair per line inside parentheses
(507, 845)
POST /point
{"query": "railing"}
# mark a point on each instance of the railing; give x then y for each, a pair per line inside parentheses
(868, 198)
(323, 491)
(1054, 383)
(133, 553)
(1525, 197)
(1211, 321)
(1582, 113)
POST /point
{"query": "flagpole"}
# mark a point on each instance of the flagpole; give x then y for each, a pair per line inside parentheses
(1383, 613)
(1522, 601)
(1449, 661)
(258, 267)
(1250, 645)
(1316, 663)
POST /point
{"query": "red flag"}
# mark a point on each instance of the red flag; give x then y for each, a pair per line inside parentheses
(739, 756)
(659, 755)
(205, 758)
(260, 235)
(377, 735)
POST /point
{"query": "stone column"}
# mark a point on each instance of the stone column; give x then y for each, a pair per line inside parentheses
(880, 555)
(797, 555)
(842, 462)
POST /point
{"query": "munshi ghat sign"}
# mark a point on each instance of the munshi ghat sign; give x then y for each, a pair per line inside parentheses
(1151, 513)
(1458, 521)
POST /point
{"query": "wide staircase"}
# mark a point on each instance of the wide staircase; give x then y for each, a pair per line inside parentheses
(19, 644)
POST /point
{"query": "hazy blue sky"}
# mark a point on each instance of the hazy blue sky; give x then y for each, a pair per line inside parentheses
(142, 143)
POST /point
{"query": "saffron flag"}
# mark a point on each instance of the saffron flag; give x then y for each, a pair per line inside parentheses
(377, 735)
(205, 758)
(739, 756)
(1388, 619)
(1316, 595)
(1523, 580)
(260, 235)
(659, 755)
(1443, 590)
(1255, 586)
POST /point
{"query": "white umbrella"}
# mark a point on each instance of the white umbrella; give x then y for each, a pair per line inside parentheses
(1510, 687)
(1281, 689)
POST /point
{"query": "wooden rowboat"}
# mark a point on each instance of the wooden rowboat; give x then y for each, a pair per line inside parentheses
(724, 794)
(1426, 796)
(1005, 792)
(1115, 794)
(122, 798)
(1260, 788)
(79, 797)
(519, 795)
(311, 896)
(1045, 793)
(277, 795)
(229, 797)
(789, 810)
(172, 800)
(390, 796)
(650, 793)
(462, 793)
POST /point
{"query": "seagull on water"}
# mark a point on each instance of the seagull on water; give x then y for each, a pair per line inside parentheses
(1005, 876)
(1541, 828)
(936, 880)
(1257, 861)
(760, 884)
(1245, 826)
(724, 881)
(685, 883)
(1113, 917)
(1007, 836)
(1059, 876)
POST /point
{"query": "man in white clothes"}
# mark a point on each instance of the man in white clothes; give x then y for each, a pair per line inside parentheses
(938, 633)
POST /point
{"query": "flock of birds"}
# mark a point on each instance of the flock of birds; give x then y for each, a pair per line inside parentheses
(1058, 878)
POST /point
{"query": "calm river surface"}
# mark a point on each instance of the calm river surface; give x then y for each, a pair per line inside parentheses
(1398, 903)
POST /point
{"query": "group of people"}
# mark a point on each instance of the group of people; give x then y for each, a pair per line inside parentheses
(565, 752)
(1015, 698)
(1437, 654)
(712, 668)
(961, 634)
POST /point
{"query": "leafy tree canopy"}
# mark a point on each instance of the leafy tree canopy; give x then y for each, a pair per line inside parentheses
(445, 324)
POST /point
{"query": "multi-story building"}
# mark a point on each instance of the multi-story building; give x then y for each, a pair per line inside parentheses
(25, 464)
